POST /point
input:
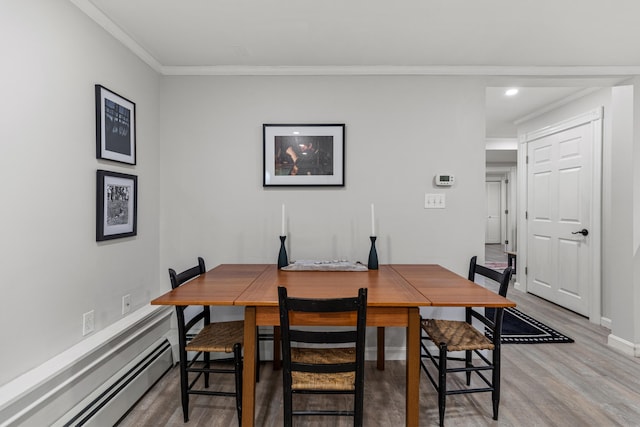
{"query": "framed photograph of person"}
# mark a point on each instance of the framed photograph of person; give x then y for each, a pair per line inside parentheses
(115, 127)
(303, 155)
(117, 205)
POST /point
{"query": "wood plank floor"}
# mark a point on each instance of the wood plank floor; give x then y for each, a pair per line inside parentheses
(585, 383)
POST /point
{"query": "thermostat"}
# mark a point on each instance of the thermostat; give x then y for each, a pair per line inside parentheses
(444, 180)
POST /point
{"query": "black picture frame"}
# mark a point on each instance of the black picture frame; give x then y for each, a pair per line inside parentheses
(116, 205)
(303, 155)
(115, 126)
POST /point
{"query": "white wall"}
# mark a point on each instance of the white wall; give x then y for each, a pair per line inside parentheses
(622, 250)
(53, 270)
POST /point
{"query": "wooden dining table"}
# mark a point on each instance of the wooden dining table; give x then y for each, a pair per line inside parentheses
(395, 294)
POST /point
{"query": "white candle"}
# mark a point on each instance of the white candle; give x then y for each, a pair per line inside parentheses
(373, 221)
(283, 228)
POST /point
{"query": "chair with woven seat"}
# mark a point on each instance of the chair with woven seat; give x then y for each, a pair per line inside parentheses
(218, 337)
(323, 361)
(461, 335)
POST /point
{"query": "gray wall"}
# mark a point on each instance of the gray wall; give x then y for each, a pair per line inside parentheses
(400, 132)
(53, 270)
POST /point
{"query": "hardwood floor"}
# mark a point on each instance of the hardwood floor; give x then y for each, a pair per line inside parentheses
(495, 253)
(585, 383)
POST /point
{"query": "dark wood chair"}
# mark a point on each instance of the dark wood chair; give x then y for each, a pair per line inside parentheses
(458, 335)
(320, 361)
(218, 337)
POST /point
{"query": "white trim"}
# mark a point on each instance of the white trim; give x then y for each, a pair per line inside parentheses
(31, 391)
(606, 322)
(110, 27)
(595, 117)
(557, 104)
(521, 222)
(589, 116)
(626, 347)
(384, 70)
(501, 143)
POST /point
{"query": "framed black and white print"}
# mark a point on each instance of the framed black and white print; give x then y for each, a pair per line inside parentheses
(303, 154)
(116, 205)
(115, 127)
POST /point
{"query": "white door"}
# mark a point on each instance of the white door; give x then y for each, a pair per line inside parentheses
(559, 180)
(494, 211)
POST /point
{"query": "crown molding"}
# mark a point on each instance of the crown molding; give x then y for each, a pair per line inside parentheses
(109, 26)
(557, 104)
(372, 70)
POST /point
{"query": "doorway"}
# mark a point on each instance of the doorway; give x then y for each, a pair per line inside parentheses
(561, 236)
(493, 229)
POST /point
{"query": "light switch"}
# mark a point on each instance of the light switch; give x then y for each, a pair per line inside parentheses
(434, 201)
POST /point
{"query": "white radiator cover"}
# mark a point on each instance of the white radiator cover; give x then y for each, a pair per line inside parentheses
(97, 381)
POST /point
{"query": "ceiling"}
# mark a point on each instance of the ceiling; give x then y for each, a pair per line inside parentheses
(558, 48)
(380, 32)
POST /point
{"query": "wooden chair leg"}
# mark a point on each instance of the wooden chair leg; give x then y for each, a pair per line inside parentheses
(237, 360)
(442, 382)
(287, 403)
(207, 365)
(495, 395)
(184, 384)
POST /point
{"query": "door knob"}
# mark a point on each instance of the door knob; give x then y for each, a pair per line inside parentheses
(584, 232)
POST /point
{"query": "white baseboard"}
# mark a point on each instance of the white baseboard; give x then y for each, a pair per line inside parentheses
(58, 387)
(626, 347)
(519, 286)
(606, 322)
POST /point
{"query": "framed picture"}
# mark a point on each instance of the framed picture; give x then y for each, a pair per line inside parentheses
(115, 127)
(303, 155)
(117, 205)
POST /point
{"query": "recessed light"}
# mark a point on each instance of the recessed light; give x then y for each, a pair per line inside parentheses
(511, 92)
(296, 132)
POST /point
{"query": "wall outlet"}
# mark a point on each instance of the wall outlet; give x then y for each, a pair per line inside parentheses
(87, 323)
(126, 304)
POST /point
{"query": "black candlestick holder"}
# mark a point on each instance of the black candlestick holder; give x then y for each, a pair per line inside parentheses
(283, 260)
(373, 255)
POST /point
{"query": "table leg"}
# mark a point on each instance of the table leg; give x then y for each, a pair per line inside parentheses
(249, 368)
(381, 348)
(277, 358)
(413, 368)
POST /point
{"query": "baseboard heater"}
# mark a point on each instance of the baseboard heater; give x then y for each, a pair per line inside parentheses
(118, 398)
(97, 381)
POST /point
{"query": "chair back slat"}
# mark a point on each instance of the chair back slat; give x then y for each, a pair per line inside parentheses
(323, 337)
(333, 305)
(503, 278)
(178, 279)
(323, 369)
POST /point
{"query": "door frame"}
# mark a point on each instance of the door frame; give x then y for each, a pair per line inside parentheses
(593, 117)
(508, 175)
